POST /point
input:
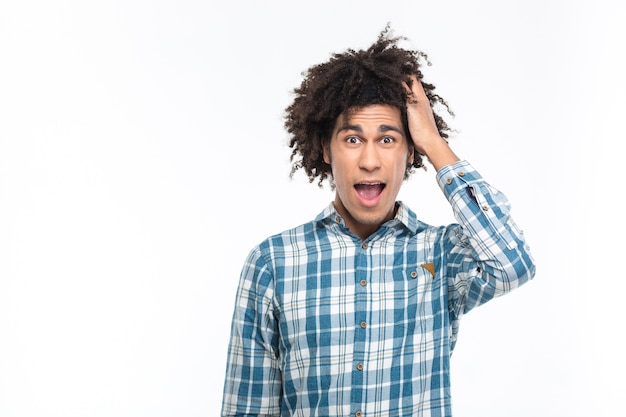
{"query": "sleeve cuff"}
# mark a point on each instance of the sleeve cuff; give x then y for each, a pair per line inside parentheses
(456, 177)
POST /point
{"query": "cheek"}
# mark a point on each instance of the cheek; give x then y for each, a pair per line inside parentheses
(401, 164)
(339, 173)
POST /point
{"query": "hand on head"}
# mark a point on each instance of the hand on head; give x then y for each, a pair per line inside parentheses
(423, 128)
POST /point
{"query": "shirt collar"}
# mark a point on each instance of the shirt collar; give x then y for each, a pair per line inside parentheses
(404, 217)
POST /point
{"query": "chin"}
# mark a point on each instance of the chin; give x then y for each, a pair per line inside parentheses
(374, 219)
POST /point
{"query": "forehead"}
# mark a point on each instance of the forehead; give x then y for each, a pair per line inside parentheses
(371, 115)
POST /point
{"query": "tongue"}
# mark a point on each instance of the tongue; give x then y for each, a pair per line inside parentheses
(369, 192)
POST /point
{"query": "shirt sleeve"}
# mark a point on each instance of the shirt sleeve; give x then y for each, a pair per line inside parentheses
(487, 254)
(252, 385)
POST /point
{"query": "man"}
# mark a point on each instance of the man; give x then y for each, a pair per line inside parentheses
(356, 313)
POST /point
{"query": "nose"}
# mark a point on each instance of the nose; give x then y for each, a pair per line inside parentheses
(369, 158)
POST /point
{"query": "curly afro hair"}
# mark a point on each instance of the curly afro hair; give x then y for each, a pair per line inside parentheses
(348, 81)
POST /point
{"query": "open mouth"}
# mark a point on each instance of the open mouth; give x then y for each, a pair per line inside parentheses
(369, 191)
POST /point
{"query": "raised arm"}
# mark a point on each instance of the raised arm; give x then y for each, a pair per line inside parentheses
(487, 254)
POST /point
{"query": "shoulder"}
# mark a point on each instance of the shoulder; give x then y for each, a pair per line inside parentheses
(293, 240)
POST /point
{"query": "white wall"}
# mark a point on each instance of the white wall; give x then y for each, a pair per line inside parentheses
(142, 155)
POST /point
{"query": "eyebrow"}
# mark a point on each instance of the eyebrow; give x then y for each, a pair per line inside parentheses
(381, 128)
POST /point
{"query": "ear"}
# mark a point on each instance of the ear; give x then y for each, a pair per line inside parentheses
(326, 146)
(411, 154)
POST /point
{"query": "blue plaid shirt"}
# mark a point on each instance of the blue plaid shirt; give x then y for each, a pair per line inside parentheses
(326, 324)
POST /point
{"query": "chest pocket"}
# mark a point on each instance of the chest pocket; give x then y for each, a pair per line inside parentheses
(414, 297)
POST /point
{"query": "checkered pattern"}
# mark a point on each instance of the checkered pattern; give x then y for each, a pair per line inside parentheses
(328, 325)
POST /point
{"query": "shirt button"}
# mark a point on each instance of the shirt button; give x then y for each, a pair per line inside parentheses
(364, 245)
(461, 174)
(363, 325)
(359, 366)
(338, 219)
(358, 414)
(485, 208)
(363, 283)
(413, 274)
(448, 181)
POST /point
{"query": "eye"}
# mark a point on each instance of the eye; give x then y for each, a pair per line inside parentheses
(352, 139)
(387, 139)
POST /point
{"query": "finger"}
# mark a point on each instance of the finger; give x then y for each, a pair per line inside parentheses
(415, 91)
(409, 87)
(417, 88)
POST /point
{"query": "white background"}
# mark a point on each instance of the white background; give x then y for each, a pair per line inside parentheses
(142, 155)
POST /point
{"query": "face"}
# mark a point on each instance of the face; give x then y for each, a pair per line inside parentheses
(368, 154)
